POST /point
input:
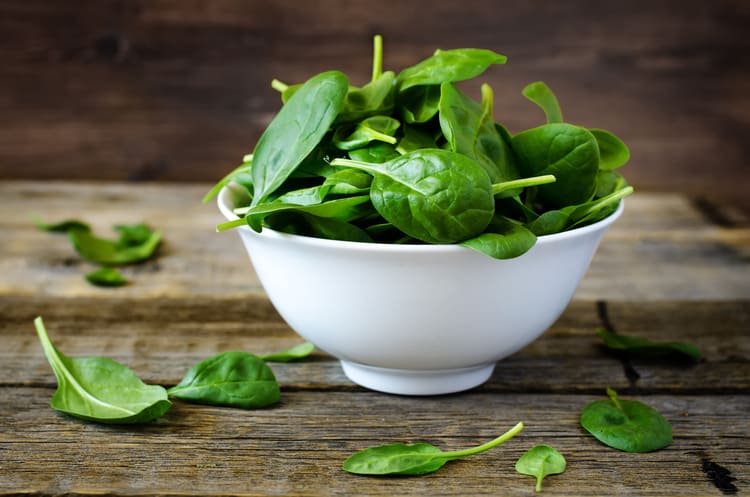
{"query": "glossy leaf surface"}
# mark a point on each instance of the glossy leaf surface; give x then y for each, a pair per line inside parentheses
(235, 379)
(541, 461)
(100, 389)
(626, 425)
(296, 130)
(448, 66)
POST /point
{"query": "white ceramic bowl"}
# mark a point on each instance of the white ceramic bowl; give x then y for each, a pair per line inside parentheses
(417, 319)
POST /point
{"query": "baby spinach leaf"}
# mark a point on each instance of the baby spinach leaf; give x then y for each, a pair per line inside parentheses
(234, 379)
(100, 389)
(106, 276)
(375, 152)
(643, 347)
(540, 94)
(434, 195)
(541, 461)
(348, 182)
(419, 104)
(613, 152)
(111, 252)
(413, 139)
(568, 152)
(626, 425)
(375, 128)
(296, 130)
(132, 235)
(376, 97)
(502, 239)
(291, 354)
(448, 66)
(413, 459)
(470, 130)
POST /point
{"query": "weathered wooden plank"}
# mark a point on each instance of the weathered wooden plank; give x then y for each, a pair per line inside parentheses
(662, 247)
(121, 90)
(297, 447)
(160, 344)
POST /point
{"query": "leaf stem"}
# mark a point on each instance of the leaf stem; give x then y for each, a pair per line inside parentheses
(522, 183)
(377, 57)
(486, 446)
(231, 224)
(279, 86)
(613, 397)
(609, 199)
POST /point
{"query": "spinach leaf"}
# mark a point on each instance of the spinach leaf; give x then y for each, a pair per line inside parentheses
(626, 425)
(375, 128)
(470, 130)
(100, 389)
(113, 252)
(502, 239)
(613, 152)
(540, 94)
(348, 182)
(568, 152)
(419, 104)
(643, 347)
(376, 97)
(291, 354)
(106, 276)
(376, 152)
(296, 130)
(541, 461)
(413, 459)
(132, 235)
(413, 139)
(344, 209)
(433, 195)
(234, 379)
(448, 66)
(302, 223)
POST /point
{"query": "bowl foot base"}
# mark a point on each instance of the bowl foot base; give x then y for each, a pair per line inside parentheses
(417, 382)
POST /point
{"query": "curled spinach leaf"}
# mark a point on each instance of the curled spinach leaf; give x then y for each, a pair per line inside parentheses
(540, 94)
(414, 459)
(502, 239)
(626, 425)
(234, 379)
(100, 389)
(613, 152)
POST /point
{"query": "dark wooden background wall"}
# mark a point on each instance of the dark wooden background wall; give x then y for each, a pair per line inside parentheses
(179, 89)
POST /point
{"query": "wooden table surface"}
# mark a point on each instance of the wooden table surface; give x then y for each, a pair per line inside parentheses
(670, 269)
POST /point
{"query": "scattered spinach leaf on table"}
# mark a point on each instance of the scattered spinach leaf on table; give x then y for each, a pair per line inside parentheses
(643, 347)
(106, 276)
(626, 425)
(291, 354)
(234, 379)
(413, 459)
(100, 389)
(541, 461)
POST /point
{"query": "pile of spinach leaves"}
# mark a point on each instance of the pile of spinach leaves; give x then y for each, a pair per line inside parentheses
(410, 158)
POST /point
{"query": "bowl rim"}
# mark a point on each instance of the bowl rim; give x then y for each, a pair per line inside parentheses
(223, 196)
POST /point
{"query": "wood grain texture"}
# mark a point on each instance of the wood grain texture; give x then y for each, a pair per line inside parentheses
(179, 90)
(671, 268)
(297, 447)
